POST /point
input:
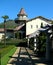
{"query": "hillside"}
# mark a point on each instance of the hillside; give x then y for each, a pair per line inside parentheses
(9, 24)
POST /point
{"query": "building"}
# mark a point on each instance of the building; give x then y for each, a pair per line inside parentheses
(34, 24)
(28, 26)
(9, 33)
(25, 26)
(1, 33)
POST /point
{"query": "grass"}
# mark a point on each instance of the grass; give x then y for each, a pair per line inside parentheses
(5, 58)
(6, 49)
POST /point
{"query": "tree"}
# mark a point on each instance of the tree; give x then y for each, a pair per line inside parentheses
(5, 17)
(42, 42)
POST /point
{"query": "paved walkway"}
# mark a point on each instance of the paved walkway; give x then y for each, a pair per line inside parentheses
(25, 56)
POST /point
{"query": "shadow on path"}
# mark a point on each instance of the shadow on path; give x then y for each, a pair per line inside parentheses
(27, 57)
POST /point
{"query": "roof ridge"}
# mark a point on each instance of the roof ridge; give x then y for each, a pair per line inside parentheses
(41, 17)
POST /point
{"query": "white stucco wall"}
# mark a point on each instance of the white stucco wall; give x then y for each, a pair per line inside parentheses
(34, 23)
(1, 35)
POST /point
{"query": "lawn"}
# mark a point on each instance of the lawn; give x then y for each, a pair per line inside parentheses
(6, 53)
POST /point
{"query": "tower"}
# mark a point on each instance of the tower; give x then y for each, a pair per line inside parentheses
(21, 17)
(21, 20)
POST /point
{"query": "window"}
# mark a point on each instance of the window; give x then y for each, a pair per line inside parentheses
(36, 26)
(31, 26)
(41, 25)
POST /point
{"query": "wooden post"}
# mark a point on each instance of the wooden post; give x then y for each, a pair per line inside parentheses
(48, 47)
(35, 44)
(52, 37)
(5, 32)
(28, 42)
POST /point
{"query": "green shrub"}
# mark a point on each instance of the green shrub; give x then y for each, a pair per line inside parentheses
(42, 42)
(13, 41)
(31, 44)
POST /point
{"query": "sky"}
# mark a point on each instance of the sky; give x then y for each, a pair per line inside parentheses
(33, 8)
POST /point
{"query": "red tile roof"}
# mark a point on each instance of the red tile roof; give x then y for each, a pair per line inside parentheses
(22, 12)
(1, 29)
(19, 27)
(8, 29)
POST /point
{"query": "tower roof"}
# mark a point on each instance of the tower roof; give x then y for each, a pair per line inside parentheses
(22, 12)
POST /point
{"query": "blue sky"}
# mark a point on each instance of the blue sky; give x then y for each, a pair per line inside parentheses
(32, 7)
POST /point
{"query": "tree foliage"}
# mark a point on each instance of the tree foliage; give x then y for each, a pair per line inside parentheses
(5, 17)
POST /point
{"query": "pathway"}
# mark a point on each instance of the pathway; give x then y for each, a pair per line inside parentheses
(25, 56)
